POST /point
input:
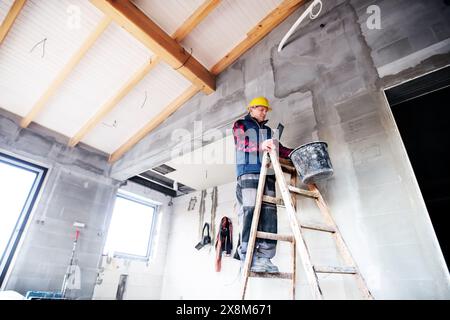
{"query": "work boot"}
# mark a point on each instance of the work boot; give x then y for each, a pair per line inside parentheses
(263, 265)
(258, 265)
(269, 266)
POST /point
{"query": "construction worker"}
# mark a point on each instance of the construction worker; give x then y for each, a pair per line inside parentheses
(252, 136)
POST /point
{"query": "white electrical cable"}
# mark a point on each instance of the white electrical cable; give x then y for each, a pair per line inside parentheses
(312, 16)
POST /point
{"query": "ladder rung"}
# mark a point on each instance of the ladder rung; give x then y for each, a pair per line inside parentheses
(278, 275)
(274, 236)
(306, 193)
(327, 269)
(317, 226)
(287, 166)
(276, 201)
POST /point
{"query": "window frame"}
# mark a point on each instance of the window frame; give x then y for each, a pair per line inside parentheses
(7, 257)
(152, 233)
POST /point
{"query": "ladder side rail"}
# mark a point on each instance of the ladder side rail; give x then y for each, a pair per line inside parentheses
(300, 243)
(255, 221)
(340, 243)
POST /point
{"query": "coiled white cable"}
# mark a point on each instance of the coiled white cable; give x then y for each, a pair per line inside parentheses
(312, 16)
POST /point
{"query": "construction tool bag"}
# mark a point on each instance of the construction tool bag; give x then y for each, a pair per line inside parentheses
(206, 239)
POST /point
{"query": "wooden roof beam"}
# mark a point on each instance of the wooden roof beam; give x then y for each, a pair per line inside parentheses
(112, 102)
(194, 20)
(266, 25)
(273, 19)
(127, 15)
(156, 121)
(10, 18)
(64, 73)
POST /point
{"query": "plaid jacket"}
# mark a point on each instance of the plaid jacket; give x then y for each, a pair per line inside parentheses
(248, 137)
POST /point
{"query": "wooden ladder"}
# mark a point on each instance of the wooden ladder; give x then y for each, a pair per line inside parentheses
(289, 195)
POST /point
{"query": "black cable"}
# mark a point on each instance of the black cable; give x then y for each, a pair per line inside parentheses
(190, 55)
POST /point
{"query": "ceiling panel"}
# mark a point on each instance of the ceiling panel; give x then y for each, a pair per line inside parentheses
(225, 27)
(160, 87)
(168, 14)
(43, 38)
(205, 167)
(112, 60)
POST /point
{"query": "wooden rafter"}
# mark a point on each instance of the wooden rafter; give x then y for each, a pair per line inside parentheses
(156, 121)
(266, 25)
(62, 75)
(10, 18)
(178, 35)
(195, 19)
(127, 15)
(111, 103)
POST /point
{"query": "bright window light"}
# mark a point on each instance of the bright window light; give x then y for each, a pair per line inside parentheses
(20, 182)
(131, 228)
(12, 199)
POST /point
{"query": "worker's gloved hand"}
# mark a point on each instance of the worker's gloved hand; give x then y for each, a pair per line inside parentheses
(268, 145)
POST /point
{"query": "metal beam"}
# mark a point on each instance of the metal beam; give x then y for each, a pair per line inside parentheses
(154, 186)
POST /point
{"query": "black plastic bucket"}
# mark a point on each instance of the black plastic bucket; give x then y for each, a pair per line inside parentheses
(312, 162)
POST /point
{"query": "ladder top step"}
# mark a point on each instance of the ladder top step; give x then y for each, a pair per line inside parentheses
(287, 166)
(277, 275)
(329, 269)
(303, 192)
(275, 236)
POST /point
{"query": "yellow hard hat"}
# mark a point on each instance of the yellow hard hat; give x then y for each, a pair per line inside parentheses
(259, 101)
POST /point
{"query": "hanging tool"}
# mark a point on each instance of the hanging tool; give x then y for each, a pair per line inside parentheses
(213, 212)
(201, 212)
(206, 238)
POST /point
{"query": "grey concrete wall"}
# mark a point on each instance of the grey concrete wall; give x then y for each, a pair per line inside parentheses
(328, 84)
(77, 189)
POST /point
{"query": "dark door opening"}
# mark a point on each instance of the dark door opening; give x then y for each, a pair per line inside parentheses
(420, 109)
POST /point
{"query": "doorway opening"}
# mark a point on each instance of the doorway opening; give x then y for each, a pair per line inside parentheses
(420, 109)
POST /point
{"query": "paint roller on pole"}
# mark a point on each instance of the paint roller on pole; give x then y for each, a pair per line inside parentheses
(72, 278)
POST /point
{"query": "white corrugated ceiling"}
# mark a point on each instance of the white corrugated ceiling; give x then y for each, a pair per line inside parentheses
(161, 86)
(232, 20)
(168, 14)
(38, 45)
(112, 60)
(47, 34)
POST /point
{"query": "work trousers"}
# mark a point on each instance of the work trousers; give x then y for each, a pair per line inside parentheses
(247, 185)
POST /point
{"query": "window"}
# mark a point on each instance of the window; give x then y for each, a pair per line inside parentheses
(132, 227)
(20, 183)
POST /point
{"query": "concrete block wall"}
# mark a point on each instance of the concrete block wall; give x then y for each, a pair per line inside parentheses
(145, 278)
(77, 188)
(327, 84)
